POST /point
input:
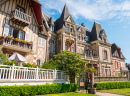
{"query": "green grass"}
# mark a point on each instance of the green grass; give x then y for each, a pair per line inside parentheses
(125, 91)
(69, 94)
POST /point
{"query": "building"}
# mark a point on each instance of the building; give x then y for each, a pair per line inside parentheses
(25, 29)
(93, 44)
(22, 29)
(118, 60)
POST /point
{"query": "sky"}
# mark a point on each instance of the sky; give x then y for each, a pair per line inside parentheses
(113, 15)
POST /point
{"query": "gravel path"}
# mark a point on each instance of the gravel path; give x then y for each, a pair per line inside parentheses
(107, 94)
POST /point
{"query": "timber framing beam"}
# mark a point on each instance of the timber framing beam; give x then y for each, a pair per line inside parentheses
(3, 1)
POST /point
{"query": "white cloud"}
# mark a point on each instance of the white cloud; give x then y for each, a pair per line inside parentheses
(91, 9)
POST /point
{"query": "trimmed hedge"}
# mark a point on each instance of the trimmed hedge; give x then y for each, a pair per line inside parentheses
(32, 90)
(113, 85)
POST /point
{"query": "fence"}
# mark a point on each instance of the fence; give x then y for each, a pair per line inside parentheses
(19, 73)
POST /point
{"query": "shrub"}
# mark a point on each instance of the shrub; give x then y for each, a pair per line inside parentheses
(30, 65)
(113, 85)
(32, 90)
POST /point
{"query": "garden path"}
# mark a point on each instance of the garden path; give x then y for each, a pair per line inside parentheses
(107, 94)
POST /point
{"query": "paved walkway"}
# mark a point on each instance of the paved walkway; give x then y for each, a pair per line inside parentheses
(107, 94)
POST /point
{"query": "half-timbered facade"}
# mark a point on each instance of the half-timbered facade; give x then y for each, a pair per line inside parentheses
(22, 29)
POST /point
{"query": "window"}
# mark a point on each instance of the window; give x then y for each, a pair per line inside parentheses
(41, 42)
(105, 54)
(79, 37)
(68, 29)
(116, 54)
(71, 29)
(18, 13)
(94, 53)
(66, 47)
(20, 9)
(104, 40)
(52, 28)
(10, 32)
(51, 47)
(73, 49)
(87, 52)
(40, 62)
(116, 64)
(21, 35)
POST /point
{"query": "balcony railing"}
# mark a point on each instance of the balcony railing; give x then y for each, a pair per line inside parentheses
(89, 57)
(15, 45)
(19, 73)
(20, 18)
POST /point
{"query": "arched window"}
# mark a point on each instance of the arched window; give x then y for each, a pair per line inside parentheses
(105, 54)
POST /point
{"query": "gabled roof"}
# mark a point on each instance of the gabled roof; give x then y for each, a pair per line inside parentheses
(114, 47)
(38, 13)
(97, 31)
(122, 56)
(60, 21)
(51, 21)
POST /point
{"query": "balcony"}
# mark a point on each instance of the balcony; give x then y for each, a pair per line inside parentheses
(13, 44)
(20, 18)
(90, 58)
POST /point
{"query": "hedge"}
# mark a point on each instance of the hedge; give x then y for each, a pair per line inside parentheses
(113, 85)
(31, 90)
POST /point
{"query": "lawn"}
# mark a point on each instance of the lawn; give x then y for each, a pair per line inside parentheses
(125, 91)
(69, 94)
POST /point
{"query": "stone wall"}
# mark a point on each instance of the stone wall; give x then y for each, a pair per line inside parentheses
(109, 79)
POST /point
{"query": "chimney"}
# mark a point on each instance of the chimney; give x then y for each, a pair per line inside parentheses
(82, 24)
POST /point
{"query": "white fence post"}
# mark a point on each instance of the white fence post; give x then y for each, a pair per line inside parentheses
(37, 77)
(61, 75)
(55, 74)
(12, 73)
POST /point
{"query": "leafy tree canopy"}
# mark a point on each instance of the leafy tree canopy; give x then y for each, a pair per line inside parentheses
(71, 62)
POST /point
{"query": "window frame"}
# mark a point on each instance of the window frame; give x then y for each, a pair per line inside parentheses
(41, 38)
(105, 56)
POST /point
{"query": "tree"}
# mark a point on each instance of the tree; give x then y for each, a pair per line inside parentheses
(71, 62)
(51, 64)
(5, 61)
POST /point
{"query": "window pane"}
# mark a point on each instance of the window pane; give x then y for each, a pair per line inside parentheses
(21, 35)
(73, 49)
(67, 28)
(10, 31)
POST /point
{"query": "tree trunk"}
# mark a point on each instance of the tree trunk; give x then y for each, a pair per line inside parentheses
(72, 79)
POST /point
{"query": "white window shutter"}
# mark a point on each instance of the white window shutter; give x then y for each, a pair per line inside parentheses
(6, 30)
(43, 42)
(27, 36)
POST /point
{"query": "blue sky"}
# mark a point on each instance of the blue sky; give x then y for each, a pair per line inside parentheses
(113, 15)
